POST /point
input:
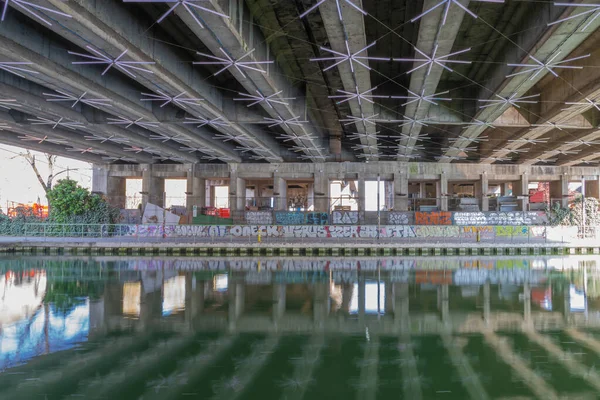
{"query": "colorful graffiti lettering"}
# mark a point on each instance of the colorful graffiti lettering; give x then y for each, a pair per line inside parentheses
(344, 217)
(317, 218)
(289, 218)
(433, 218)
(400, 218)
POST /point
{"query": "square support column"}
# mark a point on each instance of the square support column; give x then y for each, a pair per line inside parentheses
(321, 190)
(153, 188)
(559, 190)
(111, 187)
(485, 187)
(400, 191)
(442, 192)
(521, 190)
(196, 193)
(361, 193)
(237, 192)
(592, 188)
(423, 190)
(280, 193)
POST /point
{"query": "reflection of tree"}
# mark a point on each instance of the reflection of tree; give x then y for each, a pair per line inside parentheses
(65, 296)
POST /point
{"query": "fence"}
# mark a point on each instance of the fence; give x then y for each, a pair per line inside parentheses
(324, 233)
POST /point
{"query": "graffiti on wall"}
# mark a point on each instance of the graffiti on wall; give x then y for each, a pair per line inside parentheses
(344, 217)
(400, 218)
(433, 218)
(259, 217)
(436, 231)
(289, 218)
(473, 232)
(500, 218)
(511, 231)
(317, 218)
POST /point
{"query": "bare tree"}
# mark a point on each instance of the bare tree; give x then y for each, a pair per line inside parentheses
(47, 183)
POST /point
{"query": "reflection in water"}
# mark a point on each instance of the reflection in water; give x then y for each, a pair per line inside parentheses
(123, 328)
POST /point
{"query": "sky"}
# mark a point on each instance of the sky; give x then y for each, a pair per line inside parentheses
(18, 182)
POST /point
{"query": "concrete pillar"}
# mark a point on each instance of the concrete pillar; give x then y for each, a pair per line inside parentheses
(237, 192)
(505, 189)
(153, 188)
(111, 187)
(280, 193)
(559, 191)
(196, 194)
(485, 187)
(521, 190)
(361, 193)
(592, 188)
(400, 191)
(422, 190)
(310, 198)
(321, 191)
(442, 192)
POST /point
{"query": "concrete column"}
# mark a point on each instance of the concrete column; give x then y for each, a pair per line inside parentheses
(442, 193)
(310, 199)
(237, 192)
(196, 193)
(361, 193)
(422, 190)
(400, 191)
(485, 187)
(559, 190)
(153, 188)
(592, 188)
(112, 187)
(521, 190)
(321, 187)
(505, 189)
(280, 193)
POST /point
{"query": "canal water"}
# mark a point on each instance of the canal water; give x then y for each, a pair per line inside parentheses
(389, 328)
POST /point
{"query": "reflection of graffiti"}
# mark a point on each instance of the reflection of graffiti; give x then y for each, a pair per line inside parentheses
(436, 231)
(500, 218)
(289, 218)
(259, 217)
(502, 231)
(317, 218)
(400, 218)
(344, 217)
(433, 218)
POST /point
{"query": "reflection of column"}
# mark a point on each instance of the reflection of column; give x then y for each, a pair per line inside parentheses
(486, 303)
(194, 298)
(236, 303)
(401, 303)
(347, 291)
(361, 298)
(278, 301)
(96, 311)
(113, 301)
(389, 297)
(443, 302)
(567, 302)
(321, 303)
(527, 304)
(150, 307)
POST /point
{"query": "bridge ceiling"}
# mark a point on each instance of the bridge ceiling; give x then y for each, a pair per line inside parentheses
(190, 81)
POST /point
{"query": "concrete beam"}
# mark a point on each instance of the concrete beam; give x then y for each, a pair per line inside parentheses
(51, 60)
(219, 33)
(10, 138)
(39, 107)
(573, 86)
(113, 28)
(352, 30)
(431, 34)
(542, 42)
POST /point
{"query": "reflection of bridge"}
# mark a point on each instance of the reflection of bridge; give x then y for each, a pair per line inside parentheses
(378, 313)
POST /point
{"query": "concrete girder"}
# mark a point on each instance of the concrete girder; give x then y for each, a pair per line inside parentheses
(37, 106)
(563, 145)
(431, 33)
(573, 86)
(108, 26)
(10, 138)
(352, 30)
(56, 72)
(220, 33)
(542, 42)
(18, 124)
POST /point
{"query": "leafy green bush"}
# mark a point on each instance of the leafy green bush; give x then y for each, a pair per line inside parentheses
(73, 204)
(572, 216)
